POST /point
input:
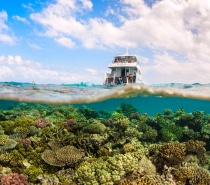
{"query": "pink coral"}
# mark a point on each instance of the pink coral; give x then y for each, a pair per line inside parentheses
(41, 122)
(14, 178)
(26, 142)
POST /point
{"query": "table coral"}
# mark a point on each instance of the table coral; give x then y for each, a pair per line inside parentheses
(6, 143)
(67, 155)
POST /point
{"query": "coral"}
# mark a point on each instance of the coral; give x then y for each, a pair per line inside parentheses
(149, 180)
(120, 121)
(193, 175)
(6, 143)
(95, 128)
(41, 122)
(88, 112)
(67, 155)
(22, 130)
(128, 147)
(8, 126)
(106, 172)
(126, 109)
(26, 142)
(33, 172)
(69, 124)
(47, 180)
(5, 157)
(14, 178)
(57, 135)
(173, 152)
(103, 152)
(171, 132)
(150, 135)
(24, 122)
(90, 142)
(197, 147)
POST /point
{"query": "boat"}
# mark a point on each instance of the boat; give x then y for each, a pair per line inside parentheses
(125, 69)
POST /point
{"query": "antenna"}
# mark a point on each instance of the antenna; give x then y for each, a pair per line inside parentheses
(126, 50)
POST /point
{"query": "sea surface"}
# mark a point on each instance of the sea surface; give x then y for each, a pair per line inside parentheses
(150, 99)
(86, 134)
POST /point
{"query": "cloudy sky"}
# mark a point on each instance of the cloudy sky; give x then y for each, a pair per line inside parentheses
(73, 41)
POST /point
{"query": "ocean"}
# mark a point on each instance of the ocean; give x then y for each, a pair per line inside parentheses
(93, 134)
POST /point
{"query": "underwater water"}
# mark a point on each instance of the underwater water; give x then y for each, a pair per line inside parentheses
(94, 134)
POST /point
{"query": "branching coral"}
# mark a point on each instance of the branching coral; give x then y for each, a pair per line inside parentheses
(14, 178)
(106, 172)
(172, 152)
(193, 175)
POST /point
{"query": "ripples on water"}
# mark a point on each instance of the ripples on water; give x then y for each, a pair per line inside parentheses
(148, 99)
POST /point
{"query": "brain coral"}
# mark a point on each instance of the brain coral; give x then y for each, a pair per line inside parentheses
(67, 155)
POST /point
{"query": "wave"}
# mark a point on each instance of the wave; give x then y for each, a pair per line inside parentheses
(89, 92)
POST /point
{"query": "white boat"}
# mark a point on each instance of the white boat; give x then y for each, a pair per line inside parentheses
(125, 69)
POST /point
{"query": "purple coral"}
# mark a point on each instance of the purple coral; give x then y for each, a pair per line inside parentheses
(14, 178)
(69, 124)
(41, 123)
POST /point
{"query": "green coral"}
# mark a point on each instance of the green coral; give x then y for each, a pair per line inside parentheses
(33, 172)
(95, 128)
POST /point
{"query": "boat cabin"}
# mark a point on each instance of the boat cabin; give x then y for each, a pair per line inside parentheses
(125, 69)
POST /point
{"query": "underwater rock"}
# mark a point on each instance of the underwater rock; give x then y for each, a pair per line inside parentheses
(67, 155)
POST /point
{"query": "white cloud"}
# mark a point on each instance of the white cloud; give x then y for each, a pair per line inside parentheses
(21, 19)
(92, 71)
(14, 68)
(177, 27)
(168, 69)
(65, 42)
(34, 46)
(5, 37)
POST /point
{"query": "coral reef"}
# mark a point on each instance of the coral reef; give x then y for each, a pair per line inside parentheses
(61, 144)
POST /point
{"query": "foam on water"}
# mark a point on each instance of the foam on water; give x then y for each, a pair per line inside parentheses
(89, 93)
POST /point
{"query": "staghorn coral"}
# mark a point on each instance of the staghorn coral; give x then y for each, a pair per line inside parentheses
(67, 155)
(90, 142)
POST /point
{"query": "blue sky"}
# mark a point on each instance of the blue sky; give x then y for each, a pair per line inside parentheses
(73, 41)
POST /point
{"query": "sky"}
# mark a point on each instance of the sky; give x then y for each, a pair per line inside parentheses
(73, 41)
